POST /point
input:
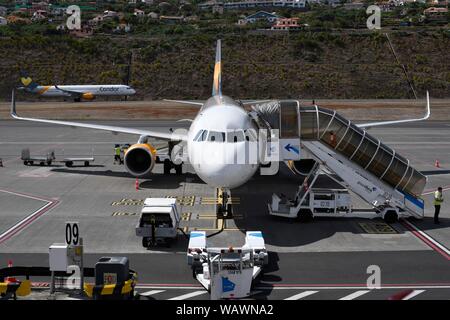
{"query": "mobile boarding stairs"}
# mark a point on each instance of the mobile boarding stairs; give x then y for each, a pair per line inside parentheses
(372, 170)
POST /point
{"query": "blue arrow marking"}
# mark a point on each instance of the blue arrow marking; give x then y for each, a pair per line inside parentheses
(288, 147)
(227, 285)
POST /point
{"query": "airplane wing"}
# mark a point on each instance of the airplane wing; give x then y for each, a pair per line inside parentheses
(384, 123)
(194, 103)
(153, 134)
(71, 92)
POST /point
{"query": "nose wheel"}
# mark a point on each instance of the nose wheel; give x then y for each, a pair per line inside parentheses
(224, 208)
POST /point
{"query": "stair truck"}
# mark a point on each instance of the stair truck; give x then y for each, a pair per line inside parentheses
(227, 272)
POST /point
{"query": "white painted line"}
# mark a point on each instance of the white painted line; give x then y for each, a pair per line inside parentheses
(143, 286)
(433, 241)
(433, 191)
(355, 295)
(413, 294)
(27, 220)
(189, 295)
(151, 292)
(300, 287)
(301, 295)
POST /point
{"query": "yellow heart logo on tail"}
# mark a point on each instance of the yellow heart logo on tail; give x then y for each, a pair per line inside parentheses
(26, 81)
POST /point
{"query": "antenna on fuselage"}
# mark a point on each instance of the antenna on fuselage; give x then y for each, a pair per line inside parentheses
(217, 80)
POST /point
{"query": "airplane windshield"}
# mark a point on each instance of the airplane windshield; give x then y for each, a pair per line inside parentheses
(235, 136)
(198, 135)
(215, 136)
(201, 135)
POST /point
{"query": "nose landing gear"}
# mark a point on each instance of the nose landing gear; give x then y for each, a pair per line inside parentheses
(224, 209)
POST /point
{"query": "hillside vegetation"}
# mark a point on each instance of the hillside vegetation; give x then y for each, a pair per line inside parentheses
(306, 64)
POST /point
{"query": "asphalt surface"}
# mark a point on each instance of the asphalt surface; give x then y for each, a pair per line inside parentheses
(328, 257)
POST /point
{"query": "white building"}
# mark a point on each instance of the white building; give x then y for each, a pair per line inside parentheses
(3, 11)
(3, 21)
(139, 13)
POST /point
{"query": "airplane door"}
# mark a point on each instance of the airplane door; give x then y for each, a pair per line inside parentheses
(289, 143)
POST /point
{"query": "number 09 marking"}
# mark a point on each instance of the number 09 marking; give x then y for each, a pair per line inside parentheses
(72, 233)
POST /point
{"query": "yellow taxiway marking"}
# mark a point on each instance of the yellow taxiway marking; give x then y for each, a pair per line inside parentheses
(120, 213)
(213, 216)
(212, 229)
(377, 228)
(128, 202)
(186, 216)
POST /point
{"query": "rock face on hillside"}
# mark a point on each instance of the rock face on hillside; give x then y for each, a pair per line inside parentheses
(306, 65)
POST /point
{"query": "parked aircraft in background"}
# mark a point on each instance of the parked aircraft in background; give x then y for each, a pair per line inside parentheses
(76, 92)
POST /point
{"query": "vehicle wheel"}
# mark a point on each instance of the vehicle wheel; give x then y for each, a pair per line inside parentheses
(42, 163)
(49, 163)
(167, 166)
(25, 163)
(391, 216)
(69, 163)
(145, 242)
(30, 163)
(305, 215)
(179, 169)
(86, 163)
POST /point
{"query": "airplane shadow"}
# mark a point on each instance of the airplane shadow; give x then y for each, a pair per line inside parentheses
(434, 172)
(153, 181)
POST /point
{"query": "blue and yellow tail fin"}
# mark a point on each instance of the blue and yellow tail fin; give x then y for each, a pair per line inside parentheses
(27, 82)
(217, 80)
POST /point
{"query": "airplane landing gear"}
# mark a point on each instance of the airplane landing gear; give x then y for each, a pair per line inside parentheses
(224, 208)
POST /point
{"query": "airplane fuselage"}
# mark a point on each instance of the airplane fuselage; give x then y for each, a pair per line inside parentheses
(96, 90)
(222, 143)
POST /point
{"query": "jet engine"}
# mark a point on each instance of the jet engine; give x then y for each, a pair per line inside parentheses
(140, 159)
(88, 96)
(302, 167)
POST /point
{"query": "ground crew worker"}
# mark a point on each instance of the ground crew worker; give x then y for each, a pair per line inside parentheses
(116, 153)
(438, 199)
(121, 155)
(333, 139)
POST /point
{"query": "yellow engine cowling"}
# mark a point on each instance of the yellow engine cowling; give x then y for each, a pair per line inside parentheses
(140, 159)
(302, 167)
(88, 96)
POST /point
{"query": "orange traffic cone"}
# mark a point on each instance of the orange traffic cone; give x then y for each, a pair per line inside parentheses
(437, 164)
(10, 279)
(137, 184)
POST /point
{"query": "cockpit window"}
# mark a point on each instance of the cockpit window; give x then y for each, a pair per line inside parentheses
(235, 136)
(250, 135)
(198, 135)
(216, 136)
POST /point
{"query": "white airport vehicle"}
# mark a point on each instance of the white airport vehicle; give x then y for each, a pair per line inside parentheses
(158, 222)
(42, 160)
(227, 273)
(387, 201)
(71, 160)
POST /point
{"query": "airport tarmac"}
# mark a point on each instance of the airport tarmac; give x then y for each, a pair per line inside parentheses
(328, 257)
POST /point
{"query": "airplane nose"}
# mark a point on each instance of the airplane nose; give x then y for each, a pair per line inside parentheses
(226, 175)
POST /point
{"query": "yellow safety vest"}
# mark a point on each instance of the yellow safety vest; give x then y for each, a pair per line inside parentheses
(117, 151)
(438, 199)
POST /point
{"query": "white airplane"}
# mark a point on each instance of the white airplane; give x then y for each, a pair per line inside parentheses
(77, 92)
(220, 133)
